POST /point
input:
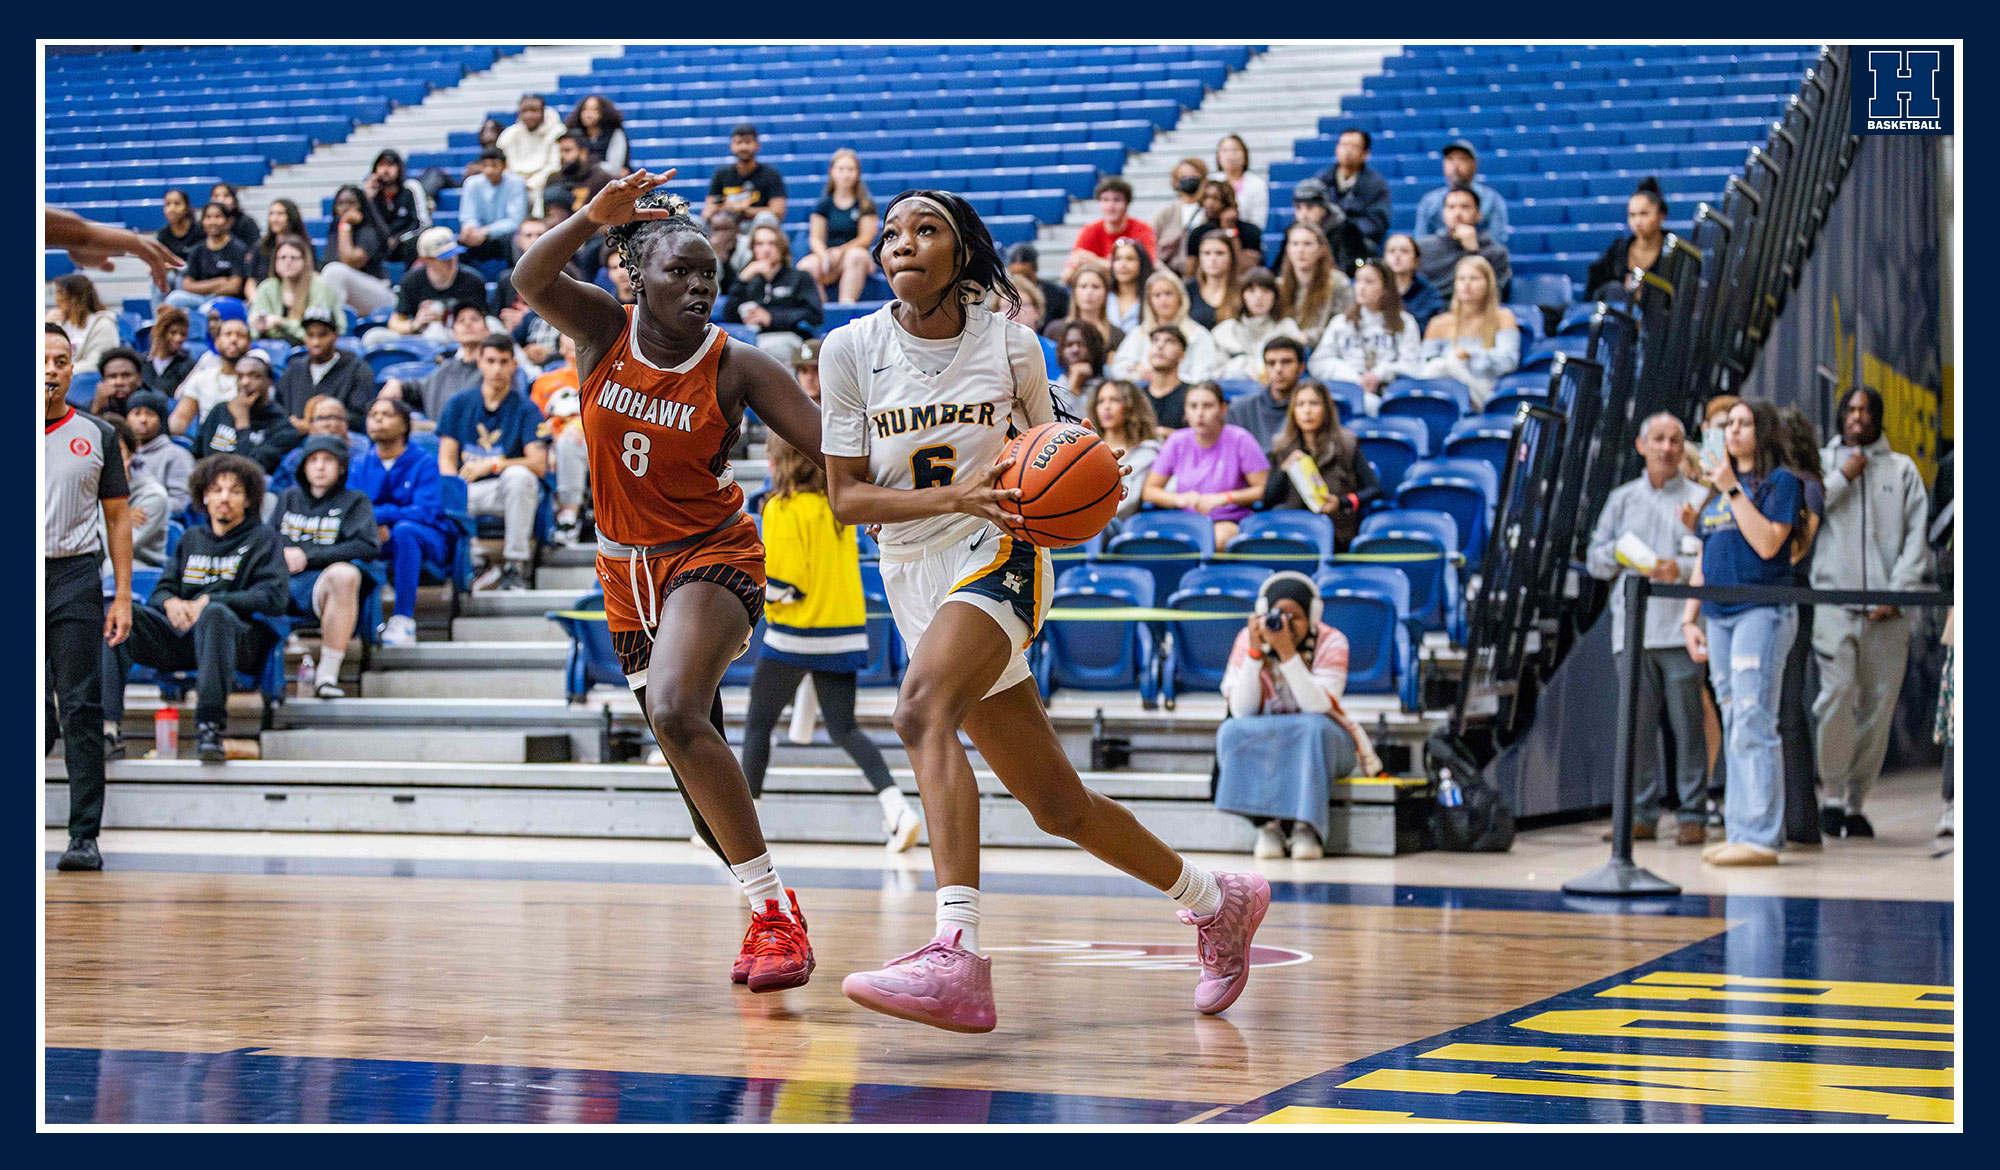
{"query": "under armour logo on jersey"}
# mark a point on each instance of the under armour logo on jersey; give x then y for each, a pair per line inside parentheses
(645, 408)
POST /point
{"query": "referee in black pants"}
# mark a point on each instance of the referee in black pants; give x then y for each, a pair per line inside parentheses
(84, 475)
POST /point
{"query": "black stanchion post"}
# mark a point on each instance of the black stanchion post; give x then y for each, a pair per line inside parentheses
(1621, 877)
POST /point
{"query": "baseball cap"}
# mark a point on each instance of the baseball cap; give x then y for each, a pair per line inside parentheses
(254, 355)
(438, 243)
(808, 354)
(321, 315)
(765, 219)
(227, 308)
(452, 310)
(1310, 191)
(1464, 144)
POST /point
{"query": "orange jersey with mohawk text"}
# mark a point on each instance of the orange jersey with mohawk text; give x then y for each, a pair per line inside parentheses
(659, 444)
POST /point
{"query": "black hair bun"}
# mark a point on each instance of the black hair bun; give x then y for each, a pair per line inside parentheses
(1649, 183)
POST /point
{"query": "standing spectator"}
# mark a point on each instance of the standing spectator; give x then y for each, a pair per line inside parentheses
(401, 482)
(1089, 303)
(771, 296)
(281, 220)
(324, 416)
(440, 281)
(1252, 194)
(745, 186)
(241, 226)
(148, 506)
(1170, 224)
(216, 266)
(168, 362)
(353, 263)
(1114, 224)
(202, 616)
(213, 382)
(1746, 533)
(1219, 216)
(1123, 417)
(602, 127)
(1166, 304)
(327, 534)
(294, 290)
(1210, 468)
(250, 424)
(1374, 342)
(1263, 414)
(1287, 739)
(156, 454)
(1213, 293)
(326, 369)
(494, 439)
(455, 372)
(1313, 431)
(1080, 355)
(1361, 194)
(492, 205)
(1801, 441)
(396, 208)
(1876, 509)
(842, 227)
(577, 171)
(1239, 341)
(118, 378)
(83, 481)
(1161, 378)
(556, 395)
(1023, 268)
(1421, 299)
(181, 232)
(1461, 169)
(1477, 340)
(1647, 510)
(1131, 270)
(1460, 238)
(91, 327)
(1310, 289)
(1610, 277)
(530, 146)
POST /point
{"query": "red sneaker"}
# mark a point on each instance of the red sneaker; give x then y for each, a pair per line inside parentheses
(776, 953)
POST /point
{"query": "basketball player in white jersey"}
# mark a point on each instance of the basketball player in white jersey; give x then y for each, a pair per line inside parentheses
(918, 400)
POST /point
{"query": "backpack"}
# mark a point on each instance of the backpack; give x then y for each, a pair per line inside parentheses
(1471, 815)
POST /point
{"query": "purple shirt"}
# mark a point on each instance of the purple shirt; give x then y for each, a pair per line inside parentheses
(1225, 467)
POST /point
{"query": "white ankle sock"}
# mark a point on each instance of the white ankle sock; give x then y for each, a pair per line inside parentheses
(958, 910)
(329, 665)
(893, 803)
(1196, 890)
(761, 883)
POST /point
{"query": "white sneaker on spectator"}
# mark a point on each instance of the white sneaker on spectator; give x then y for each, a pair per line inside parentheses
(565, 533)
(399, 631)
(488, 577)
(329, 690)
(1270, 842)
(903, 833)
(512, 580)
(1305, 844)
(1947, 825)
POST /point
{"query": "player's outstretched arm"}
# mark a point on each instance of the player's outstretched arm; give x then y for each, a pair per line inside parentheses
(856, 499)
(765, 386)
(92, 245)
(584, 312)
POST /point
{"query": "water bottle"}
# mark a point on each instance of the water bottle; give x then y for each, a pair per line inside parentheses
(306, 677)
(167, 733)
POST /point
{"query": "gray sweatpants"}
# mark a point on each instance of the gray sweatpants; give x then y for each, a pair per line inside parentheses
(572, 467)
(513, 494)
(1669, 681)
(1861, 665)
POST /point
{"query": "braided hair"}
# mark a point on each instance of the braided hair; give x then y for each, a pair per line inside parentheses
(978, 268)
(635, 241)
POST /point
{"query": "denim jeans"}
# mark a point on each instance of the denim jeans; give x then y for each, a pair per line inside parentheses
(1746, 664)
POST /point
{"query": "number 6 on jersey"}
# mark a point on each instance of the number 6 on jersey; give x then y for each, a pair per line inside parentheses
(933, 466)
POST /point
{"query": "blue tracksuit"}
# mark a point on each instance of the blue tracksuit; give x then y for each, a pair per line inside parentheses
(408, 501)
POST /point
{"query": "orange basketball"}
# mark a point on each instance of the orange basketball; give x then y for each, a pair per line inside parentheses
(1069, 484)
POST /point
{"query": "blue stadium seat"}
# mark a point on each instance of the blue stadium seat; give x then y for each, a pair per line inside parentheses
(1576, 319)
(1464, 489)
(1164, 543)
(592, 660)
(1435, 402)
(1391, 444)
(885, 646)
(1349, 399)
(1435, 597)
(1283, 539)
(82, 388)
(1482, 436)
(1101, 655)
(1198, 650)
(1370, 605)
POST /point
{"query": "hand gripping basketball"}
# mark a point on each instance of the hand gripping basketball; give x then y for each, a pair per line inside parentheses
(1069, 484)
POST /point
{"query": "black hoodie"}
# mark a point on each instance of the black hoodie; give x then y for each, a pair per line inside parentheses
(339, 526)
(241, 569)
(270, 434)
(349, 380)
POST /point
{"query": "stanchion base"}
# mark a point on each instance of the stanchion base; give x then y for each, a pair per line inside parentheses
(1621, 879)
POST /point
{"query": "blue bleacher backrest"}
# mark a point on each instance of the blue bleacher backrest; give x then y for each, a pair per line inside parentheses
(1482, 436)
(1370, 605)
(1199, 649)
(1099, 655)
(1234, 388)
(82, 388)
(884, 647)
(1576, 318)
(1529, 318)
(1437, 403)
(1391, 443)
(1283, 539)
(175, 530)
(1464, 489)
(1165, 543)
(592, 659)
(1349, 399)
(1410, 532)
(1544, 289)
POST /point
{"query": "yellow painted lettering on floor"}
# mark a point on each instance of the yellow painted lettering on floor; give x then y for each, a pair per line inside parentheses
(1831, 993)
(1313, 1115)
(1668, 1025)
(1686, 1080)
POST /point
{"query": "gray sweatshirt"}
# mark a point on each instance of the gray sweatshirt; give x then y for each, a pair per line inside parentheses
(1873, 533)
(171, 464)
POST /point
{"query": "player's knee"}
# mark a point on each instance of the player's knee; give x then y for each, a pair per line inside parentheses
(1060, 814)
(924, 709)
(678, 720)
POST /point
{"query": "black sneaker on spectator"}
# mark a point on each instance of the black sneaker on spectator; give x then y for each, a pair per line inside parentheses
(1856, 825)
(1946, 826)
(1832, 819)
(488, 577)
(329, 690)
(208, 743)
(82, 854)
(511, 580)
(114, 746)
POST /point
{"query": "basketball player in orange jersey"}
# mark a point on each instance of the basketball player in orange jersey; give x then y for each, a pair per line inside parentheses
(683, 570)
(919, 398)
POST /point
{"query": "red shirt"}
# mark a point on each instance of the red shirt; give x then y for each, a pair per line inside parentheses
(1096, 239)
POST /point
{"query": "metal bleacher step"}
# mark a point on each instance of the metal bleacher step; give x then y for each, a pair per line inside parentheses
(519, 603)
(471, 656)
(459, 683)
(580, 578)
(571, 555)
(426, 745)
(505, 629)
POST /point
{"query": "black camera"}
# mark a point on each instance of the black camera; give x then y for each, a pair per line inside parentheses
(1274, 620)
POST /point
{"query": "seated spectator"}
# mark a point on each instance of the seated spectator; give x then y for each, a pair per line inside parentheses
(325, 369)
(496, 440)
(168, 362)
(328, 535)
(1161, 378)
(293, 290)
(1213, 293)
(1374, 342)
(1311, 203)
(213, 381)
(619, 280)
(842, 227)
(398, 208)
(215, 267)
(356, 252)
(1460, 238)
(439, 281)
(1166, 304)
(577, 171)
(1461, 169)
(323, 415)
(557, 396)
(1477, 339)
(530, 146)
(401, 483)
(1240, 340)
(1080, 355)
(1363, 197)
(455, 373)
(240, 225)
(1123, 417)
(597, 122)
(201, 616)
(491, 205)
(745, 186)
(724, 227)
(250, 424)
(1310, 289)
(1251, 194)
(1314, 443)
(1114, 223)
(776, 299)
(1029, 311)
(281, 219)
(148, 505)
(1089, 298)
(1610, 277)
(180, 233)
(1210, 468)
(505, 302)
(1287, 739)
(1421, 299)
(1263, 414)
(92, 328)
(1024, 264)
(118, 378)
(155, 454)
(1219, 216)
(1171, 223)
(805, 368)
(1130, 269)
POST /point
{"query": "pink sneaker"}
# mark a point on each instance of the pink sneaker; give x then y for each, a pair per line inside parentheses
(941, 984)
(1223, 939)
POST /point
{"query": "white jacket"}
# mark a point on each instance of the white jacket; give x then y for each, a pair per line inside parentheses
(1873, 534)
(1201, 361)
(1345, 353)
